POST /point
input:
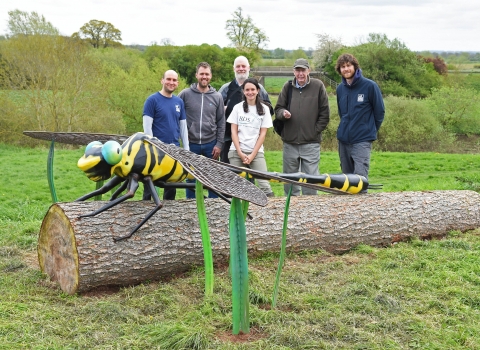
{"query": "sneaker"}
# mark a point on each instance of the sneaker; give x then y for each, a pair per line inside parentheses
(271, 194)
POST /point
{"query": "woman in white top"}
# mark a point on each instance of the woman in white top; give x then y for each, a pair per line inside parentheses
(250, 120)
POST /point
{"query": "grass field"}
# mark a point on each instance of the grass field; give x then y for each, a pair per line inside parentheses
(416, 295)
(274, 84)
(469, 65)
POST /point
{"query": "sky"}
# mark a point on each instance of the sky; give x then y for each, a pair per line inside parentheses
(422, 25)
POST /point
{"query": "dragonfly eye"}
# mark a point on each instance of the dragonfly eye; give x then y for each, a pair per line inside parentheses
(92, 144)
(112, 152)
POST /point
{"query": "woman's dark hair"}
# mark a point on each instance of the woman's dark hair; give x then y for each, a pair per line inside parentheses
(346, 58)
(258, 100)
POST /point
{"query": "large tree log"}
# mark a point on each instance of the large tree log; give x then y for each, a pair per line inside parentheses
(80, 253)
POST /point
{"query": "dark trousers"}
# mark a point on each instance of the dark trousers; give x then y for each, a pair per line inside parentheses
(355, 158)
(224, 152)
(168, 193)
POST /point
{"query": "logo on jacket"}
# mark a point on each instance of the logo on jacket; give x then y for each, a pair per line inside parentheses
(360, 97)
(177, 108)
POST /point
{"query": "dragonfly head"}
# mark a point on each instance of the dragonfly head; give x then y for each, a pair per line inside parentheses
(99, 159)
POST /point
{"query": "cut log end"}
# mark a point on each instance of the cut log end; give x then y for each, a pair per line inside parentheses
(57, 250)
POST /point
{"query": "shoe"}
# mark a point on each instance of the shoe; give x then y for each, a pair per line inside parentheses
(271, 194)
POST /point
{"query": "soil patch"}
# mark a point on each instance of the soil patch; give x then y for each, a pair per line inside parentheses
(255, 334)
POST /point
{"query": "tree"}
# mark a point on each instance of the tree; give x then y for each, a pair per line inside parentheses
(167, 42)
(397, 70)
(184, 59)
(56, 85)
(438, 64)
(299, 53)
(456, 108)
(279, 53)
(130, 80)
(243, 33)
(100, 34)
(326, 47)
(21, 22)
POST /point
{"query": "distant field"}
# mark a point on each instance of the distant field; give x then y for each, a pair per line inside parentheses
(470, 65)
(465, 68)
(276, 62)
(274, 84)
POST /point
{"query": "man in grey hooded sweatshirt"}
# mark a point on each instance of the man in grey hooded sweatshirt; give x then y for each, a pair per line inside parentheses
(205, 117)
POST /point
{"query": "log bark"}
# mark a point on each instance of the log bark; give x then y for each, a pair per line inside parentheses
(80, 253)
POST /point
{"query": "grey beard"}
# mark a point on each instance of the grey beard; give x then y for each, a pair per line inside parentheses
(241, 76)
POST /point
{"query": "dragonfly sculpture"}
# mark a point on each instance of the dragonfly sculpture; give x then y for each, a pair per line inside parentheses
(145, 159)
(142, 158)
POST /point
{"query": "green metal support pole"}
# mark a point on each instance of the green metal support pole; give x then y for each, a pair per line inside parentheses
(51, 183)
(97, 186)
(283, 248)
(207, 245)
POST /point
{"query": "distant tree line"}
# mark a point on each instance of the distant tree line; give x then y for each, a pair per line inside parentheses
(397, 70)
(89, 82)
(457, 56)
(184, 60)
(282, 54)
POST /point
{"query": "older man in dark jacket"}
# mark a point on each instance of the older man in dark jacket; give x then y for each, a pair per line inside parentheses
(305, 113)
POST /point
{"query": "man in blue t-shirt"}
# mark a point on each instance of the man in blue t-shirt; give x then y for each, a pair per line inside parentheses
(164, 118)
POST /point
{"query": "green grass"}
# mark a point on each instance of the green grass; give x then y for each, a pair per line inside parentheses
(274, 84)
(415, 295)
(403, 171)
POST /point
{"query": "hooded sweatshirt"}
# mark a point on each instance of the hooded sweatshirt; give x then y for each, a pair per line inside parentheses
(205, 115)
(361, 110)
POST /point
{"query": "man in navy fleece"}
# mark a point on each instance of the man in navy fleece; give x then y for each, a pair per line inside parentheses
(361, 110)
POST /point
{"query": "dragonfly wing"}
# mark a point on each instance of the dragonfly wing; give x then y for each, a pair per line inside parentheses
(278, 177)
(212, 174)
(74, 138)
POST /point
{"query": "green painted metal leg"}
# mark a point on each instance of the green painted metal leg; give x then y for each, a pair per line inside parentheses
(51, 183)
(207, 246)
(282, 248)
(245, 206)
(98, 185)
(239, 268)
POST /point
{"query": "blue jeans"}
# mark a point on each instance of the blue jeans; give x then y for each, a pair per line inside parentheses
(205, 150)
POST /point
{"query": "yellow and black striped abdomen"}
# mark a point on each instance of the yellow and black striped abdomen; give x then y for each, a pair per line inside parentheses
(351, 183)
(162, 167)
(141, 157)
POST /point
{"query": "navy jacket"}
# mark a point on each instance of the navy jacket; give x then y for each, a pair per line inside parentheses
(361, 110)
